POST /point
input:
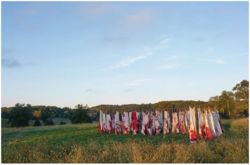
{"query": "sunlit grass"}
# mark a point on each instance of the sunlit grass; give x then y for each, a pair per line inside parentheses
(83, 144)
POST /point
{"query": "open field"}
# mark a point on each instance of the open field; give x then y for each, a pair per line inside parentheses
(82, 143)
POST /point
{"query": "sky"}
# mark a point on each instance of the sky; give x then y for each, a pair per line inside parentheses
(68, 53)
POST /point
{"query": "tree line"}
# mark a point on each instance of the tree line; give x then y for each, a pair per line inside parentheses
(230, 104)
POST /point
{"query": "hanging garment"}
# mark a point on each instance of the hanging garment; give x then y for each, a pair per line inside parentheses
(134, 122)
(182, 127)
(187, 119)
(155, 123)
(130, 121)
(100, 122)
(144, 123)
(149, 125)
(166, 125)
(118, 129)
(160, 122)
(104, 122)
(217, 126)
(125, 123)
(202, 127)
(192, 129)
(113, 122)
(175, 128)
(109, 123)
(209, 134)
(211, 122)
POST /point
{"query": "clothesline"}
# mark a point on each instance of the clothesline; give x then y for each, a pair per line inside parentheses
(156, 122)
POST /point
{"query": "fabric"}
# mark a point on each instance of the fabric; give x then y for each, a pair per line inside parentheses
(209, 134)
(192, 129)
(118, 129)
(125, 123)
(211, 122)
(217, 126)
(175, 123)
(134, 122)
(100, 122)
(104, 122)
(166, 125)
(202, 127)
(182, 127)
(108, 123)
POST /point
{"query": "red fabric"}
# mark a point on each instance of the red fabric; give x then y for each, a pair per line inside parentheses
(203, 132)
(134, 122)
(209, 134)
(192, 135)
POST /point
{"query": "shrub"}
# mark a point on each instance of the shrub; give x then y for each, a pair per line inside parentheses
(49, 122)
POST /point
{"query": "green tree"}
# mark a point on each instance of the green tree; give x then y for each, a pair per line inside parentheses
(241, 90)
(20, 115)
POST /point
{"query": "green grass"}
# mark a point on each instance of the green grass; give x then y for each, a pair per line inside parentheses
(82, 144)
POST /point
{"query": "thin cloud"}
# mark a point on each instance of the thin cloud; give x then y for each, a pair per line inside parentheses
(137, 82)
(89, 90)
(128, 61)
(215, 61)
(99, 9)
(10, 63)
(167, 67)
(147, 51)
(140, 18)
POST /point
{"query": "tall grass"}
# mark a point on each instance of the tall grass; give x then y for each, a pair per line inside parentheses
(82, 144)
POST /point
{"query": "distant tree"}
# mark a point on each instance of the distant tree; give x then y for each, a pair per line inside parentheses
(241, 90)
(20, 115)
(49, 122)
(80, 115)
(227, 104)
(37, 123)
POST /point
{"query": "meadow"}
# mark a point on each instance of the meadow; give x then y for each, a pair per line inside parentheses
(81, 143)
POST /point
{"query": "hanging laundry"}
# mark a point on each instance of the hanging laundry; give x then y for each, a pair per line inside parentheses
(149, 125)
(202, 127)
(217, 126)
(160, 122)
(182, 127)
(118, 129)
(166, 125)
(104, 124)
(108, 123)
(211, 122)
(175, 128)
(125, 123)
(192, 129)
(144, 123)
(134, 122)
(100, 122)
(209, 134)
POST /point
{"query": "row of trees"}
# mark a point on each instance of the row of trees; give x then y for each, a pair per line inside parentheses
(21, 114)
(234, 103)
(231, 104)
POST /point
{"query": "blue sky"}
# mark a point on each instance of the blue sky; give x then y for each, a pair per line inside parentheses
(68, 53)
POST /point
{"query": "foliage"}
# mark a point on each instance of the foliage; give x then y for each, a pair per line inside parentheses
(81, 143)
(37, 123)
(20, 115)
(49, 122)
(242, 90)
(79, 116)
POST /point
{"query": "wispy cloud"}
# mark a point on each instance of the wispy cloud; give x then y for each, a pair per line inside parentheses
(10, 63)
(97, 9)
(139, 18)
(89, 90)
(137, 82)
(128, 61)
(215, 61)
(167, 67)
(146, 52)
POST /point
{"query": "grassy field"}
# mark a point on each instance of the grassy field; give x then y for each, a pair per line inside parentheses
(82, 143)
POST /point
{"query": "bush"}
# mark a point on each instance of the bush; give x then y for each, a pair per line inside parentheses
(49, 122)
(62, 123)
(37, 123)
(20, 115)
